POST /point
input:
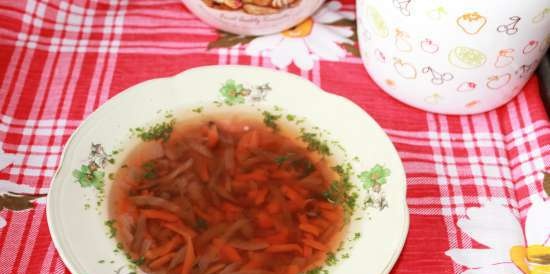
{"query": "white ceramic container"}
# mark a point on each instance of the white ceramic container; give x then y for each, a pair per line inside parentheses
(453, 57)
(253, 17)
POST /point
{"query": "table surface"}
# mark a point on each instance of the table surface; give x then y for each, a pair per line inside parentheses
(474, 182)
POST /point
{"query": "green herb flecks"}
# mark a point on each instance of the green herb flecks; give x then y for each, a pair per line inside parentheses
(280, 160)
(270, 120)
(233, 93)
(342, 191)
(201, 224)
(318, 270)
(90, 176)
(331, 259)
(314, 143)
(356, 236)
(198, 109)
(290, 117)
(375, 177)
(150, 170)
(101, 261)
(111, 226)
(160, 131)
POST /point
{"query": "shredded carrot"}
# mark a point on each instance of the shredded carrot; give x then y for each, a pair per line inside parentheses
(163, 249)
(310, 229)
(258, 175)
(302, 219)
(326, 205)
(263, 220)
(280, 237)
(291, 193)
(181, 229)
(212, 136)
(201, 167)
(273, 208)
(315, 244)
(189, 257)
(292, 269)
(215, 268)
(254, 263)
(282, 174)
(281, 248)
(164, 259)
(260, 196)
(159, 214)
(229, 254)
(229, 207)
(307, 251)
(330, 215)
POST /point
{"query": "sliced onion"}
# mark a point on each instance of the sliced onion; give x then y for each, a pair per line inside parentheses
(201, 149)
(249, 245)
(176, 172)
(234, 228)
(178, 258)
(155, 202)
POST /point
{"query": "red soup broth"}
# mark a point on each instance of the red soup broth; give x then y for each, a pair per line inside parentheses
(225, 195)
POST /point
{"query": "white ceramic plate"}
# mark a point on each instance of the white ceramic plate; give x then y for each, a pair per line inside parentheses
(76, 222)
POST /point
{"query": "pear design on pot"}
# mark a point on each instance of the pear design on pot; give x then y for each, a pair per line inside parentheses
(505, 58)
(498, 81)
(405, 70)
(402, 41)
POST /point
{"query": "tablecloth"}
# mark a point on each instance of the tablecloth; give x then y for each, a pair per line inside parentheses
(471, 179)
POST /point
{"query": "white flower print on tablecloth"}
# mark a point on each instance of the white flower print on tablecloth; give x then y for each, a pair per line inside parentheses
(17, 196)
(313, 39)
(508, 250)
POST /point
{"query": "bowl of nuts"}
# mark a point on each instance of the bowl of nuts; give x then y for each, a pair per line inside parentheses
(253, 17)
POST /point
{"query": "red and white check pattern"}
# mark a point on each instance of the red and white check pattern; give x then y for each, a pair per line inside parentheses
(60, 60)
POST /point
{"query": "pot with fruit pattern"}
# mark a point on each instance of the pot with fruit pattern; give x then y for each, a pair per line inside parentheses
(453, 57)
(253, 17)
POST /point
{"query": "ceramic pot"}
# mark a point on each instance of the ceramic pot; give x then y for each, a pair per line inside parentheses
(253, 17)
(453, 57)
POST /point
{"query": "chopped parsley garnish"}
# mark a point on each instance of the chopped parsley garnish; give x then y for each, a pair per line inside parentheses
(160, 131)
(87, 206)
(314, 143)
(331, 259)
(111, 176)
(317, 270)
(290, 117)
(201, 224)
(280, 160)
(89, 176)
(138, 261)
(197, 110)
(150, 170)
(101, 261)
(356, 236)
(271, 119)
(112, 229)
(111, 161)
(345, 256)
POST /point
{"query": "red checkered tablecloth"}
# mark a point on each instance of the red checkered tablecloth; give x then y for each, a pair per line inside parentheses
(61, 60)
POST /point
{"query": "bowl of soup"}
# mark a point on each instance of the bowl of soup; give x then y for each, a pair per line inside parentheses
(228, 169)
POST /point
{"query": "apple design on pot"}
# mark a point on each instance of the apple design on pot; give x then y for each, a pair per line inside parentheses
(429, 46)
(405, 70)
(498, 81)
(530, 47)
(466, 86)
